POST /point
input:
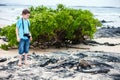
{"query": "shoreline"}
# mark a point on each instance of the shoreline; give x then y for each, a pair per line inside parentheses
(99, 48)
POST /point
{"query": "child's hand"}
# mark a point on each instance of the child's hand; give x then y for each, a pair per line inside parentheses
(18, 39)
(30, 38)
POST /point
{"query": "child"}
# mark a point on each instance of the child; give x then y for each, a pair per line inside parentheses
(23, 36)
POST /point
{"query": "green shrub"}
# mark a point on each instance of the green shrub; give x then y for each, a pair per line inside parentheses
(51, 27)
(4, 46)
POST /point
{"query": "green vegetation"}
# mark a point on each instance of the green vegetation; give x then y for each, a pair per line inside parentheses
(56, 27)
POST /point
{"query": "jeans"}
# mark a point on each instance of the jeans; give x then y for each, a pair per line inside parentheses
(24, 46)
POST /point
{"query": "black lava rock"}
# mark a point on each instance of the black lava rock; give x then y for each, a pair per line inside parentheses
(115, 76)
(81, 55)
(3, 59)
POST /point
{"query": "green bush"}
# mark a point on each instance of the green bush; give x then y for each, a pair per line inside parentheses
(53, 27)
(4, 46)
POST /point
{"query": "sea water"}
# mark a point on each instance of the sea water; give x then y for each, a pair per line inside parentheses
(9, 13)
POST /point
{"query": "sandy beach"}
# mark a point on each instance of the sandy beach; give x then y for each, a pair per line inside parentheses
(101, 48)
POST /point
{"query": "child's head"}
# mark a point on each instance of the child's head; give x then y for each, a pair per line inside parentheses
(26, 13)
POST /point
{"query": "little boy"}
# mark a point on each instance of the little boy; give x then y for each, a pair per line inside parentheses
(23, 36)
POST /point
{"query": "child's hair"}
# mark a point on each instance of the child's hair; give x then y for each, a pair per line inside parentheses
(25, 11)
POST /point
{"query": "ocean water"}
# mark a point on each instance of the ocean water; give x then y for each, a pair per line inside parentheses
(9, 13)
(109, 14)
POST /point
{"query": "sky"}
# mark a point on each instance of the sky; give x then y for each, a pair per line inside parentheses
(115, 3)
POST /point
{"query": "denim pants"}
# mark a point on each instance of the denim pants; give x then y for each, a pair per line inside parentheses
(24, 46)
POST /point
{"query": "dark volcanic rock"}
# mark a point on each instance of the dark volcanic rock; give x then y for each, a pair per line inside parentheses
(64, 65)
(36, 78)
(46, 62)
(5, 39)
(115, 76)
(108, 44)
(94, 43)
(69, 64)
(96, 70)
(101, 64)
(3, 68)
(103, 21)
(81, 55)
(3, 59)
(108, 33)
(90, 42)
(13, 63)
(7, 77)
(109, 58)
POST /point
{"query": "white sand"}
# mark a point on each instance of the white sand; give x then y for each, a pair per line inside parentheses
(110, 40)
(114, 49)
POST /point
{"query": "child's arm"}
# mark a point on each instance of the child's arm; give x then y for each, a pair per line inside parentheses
(18, 39)
(29, 31)
(30, 36)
